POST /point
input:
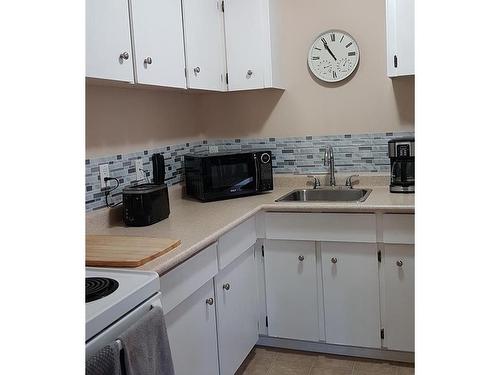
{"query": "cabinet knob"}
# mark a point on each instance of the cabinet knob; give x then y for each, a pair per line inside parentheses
(197, 70)
(334, 260)
(210, 301)
(226, 286)
(399, 263)
(124, 56)
(249, 73)
(148, 60)
(301, 258)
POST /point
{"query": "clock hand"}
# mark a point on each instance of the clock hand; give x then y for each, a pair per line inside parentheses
(329, 50)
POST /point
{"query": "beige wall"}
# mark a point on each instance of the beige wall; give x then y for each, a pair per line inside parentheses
(369, 102)
(123, 119)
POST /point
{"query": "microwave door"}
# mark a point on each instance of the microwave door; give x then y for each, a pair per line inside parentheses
(232, 176)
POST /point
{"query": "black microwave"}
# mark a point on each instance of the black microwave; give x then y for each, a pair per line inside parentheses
(216, 176)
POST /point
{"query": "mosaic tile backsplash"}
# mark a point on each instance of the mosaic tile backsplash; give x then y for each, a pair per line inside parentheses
(300, 155)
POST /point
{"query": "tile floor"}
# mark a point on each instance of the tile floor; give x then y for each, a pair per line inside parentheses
(269, 361)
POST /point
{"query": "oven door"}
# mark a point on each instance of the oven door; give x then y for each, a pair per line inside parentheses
(111, 333)
(230, 175)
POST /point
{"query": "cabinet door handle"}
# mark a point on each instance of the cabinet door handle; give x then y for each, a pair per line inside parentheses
(334, 260)
(399, 263)
(124, 56)
(249, 73)
(148, 60)
(197, 70)
(226, 286)
(301, 258)
(209, 301)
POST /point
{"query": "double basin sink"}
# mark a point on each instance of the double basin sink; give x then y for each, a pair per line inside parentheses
(326, 195)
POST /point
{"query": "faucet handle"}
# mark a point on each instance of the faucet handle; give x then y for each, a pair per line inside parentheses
(316, 181)
(348, 180)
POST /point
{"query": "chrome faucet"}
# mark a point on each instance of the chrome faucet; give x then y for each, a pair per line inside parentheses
(330, 161)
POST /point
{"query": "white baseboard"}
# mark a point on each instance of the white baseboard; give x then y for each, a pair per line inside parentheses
(321, 347)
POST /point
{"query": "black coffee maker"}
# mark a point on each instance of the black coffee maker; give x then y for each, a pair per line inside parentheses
(402, 155)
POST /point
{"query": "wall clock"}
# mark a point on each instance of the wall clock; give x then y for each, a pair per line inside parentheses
(333, 56)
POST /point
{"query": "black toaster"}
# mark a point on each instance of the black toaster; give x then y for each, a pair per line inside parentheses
(145, 204)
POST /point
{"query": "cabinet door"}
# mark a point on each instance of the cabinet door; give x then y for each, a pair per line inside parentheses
(158, 42)
(236, 295)
(108, 46)
(245, 47)
(192, 335)
(291, 289)
(351, 293)
(204, 40)
(399, 276)
(400, 28)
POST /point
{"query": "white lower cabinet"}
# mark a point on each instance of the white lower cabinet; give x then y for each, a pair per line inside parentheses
(192, 334)
(236, 303)
(351, 293)
(399, 292)
(291, 289)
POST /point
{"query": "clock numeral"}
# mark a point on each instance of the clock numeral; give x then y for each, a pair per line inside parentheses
(348, 45)
(319, 49)
(315, 58)
(341, 39)
(332, 36)
(351, 54)
(334, 74)
(323, 40)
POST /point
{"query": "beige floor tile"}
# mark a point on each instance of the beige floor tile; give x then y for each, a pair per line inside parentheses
(374, 368)
(284, 368)
(331, 371)
(296, 358)
(255, 369)
(326, 361)
(406, 371)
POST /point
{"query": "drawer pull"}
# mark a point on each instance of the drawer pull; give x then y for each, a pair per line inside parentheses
(399, 263)
(226, 286)
(301, 258)
(210, 301)
(334, 260)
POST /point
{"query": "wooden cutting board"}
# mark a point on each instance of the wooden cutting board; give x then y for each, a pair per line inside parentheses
(125, 251)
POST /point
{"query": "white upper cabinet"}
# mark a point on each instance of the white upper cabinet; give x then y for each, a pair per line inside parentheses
(108, 43)
(250, 32)
(158, 42)
(204, 41)
(400, 28)
(244, 44)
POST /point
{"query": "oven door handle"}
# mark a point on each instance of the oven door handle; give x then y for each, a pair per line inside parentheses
(257, 173)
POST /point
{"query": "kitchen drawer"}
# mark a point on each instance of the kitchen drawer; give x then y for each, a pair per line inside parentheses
(236, 241)
(344, 227)
(182, 281)
(399, 229)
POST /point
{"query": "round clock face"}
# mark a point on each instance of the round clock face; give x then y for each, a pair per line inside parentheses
(333, 56)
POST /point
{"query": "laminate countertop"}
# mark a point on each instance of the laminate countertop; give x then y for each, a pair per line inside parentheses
(199, 224)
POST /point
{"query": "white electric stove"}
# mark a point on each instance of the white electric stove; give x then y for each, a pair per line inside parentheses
(115, 299)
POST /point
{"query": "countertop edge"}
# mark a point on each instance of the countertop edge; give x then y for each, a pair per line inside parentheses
(162, 267)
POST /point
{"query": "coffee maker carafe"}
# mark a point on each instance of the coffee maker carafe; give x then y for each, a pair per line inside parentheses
(402, 155)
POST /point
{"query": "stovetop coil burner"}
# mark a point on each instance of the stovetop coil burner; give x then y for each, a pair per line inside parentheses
(99, 287)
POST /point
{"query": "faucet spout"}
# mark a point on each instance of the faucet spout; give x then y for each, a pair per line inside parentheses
(329, 160)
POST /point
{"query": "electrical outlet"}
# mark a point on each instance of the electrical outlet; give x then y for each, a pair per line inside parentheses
(213, 149)
(138, 170)
(103, 173)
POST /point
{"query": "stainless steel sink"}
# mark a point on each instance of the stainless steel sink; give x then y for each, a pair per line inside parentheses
(326, 195)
